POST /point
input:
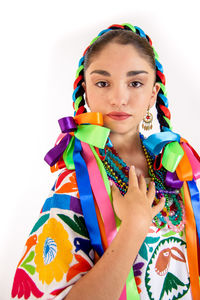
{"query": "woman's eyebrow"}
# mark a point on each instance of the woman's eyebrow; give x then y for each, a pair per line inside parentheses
(101, 72)
(133, 73)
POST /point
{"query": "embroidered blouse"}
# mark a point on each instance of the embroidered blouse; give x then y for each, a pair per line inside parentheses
(58, 252)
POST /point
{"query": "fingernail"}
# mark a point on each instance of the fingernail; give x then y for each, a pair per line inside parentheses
(111, 183)
(132, 166)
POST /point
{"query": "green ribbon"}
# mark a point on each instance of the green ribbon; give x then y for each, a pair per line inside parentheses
(131, 287)
(68, 155)
(172, 155)
(94, 135)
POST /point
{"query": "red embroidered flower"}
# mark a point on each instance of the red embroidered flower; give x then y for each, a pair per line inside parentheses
(24, 286)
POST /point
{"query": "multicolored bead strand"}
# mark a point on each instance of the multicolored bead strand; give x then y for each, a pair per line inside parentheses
(173, 213)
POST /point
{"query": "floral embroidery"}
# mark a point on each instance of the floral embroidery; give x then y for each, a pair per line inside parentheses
(81, 266)
(24, 286)
(53, 252)
(68, 187)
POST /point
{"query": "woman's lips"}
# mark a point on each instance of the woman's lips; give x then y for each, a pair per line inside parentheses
(118, 116)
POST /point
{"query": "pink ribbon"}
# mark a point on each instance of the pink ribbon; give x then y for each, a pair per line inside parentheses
(102, 198)
(123, 294)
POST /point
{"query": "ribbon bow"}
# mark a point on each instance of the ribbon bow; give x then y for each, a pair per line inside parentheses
(178, 155)
(87, 127)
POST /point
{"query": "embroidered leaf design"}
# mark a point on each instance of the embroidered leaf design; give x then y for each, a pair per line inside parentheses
(181, 233)
(26, 266)
(81, 223)
(39, 223)
(151, 240)
(143, 251)
(171, 282)
(170, 233)
(78, 224)
(137, 269)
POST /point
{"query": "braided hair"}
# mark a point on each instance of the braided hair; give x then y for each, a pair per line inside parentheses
(163, 113)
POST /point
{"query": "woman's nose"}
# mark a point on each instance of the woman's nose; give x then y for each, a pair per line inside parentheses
(118, 96)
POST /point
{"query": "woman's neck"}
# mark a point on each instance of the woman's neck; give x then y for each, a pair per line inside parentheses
(128, 144)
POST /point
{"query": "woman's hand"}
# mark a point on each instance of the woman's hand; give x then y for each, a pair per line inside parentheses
(135, 207)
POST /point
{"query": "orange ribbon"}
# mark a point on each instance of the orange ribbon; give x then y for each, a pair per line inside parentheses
(191, 239)
(95, 118)
(184, 169)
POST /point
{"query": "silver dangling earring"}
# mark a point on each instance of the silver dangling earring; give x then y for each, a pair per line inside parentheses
(147, 121)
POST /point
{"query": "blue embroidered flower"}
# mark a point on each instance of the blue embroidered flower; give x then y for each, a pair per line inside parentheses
(49, 251)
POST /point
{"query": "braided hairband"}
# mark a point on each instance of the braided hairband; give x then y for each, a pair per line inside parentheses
(163, 113)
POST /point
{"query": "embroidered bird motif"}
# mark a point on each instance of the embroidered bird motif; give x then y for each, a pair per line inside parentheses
(164, 258)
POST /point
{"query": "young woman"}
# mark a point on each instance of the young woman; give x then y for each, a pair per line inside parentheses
(123, 211)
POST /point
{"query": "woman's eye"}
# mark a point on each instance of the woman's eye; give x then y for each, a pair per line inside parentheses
(102, 84)
(135, 84)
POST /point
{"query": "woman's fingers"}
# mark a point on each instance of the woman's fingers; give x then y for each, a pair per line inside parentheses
(142, 183)
(113, 188)
(158, 207)
(151, 191)
(133, 181)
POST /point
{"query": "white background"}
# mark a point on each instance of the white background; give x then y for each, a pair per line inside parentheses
(41, 43)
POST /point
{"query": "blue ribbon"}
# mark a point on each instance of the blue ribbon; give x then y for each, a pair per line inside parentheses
(195, 199)
(165, 100)
(159, 66)
(103, 31)
(86, 198)
(157, 141)
(142, 34)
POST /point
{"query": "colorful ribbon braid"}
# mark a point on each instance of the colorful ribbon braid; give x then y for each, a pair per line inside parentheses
(163, 113)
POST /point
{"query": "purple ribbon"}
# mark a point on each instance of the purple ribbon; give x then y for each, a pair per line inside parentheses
(67, 124)
(172, 180)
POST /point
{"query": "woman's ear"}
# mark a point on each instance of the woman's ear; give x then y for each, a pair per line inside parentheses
(84, 86)
(155, 91)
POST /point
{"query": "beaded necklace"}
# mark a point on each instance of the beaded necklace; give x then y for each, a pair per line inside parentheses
(173, 214)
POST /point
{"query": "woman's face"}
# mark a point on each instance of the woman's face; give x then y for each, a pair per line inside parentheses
(118, 79)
